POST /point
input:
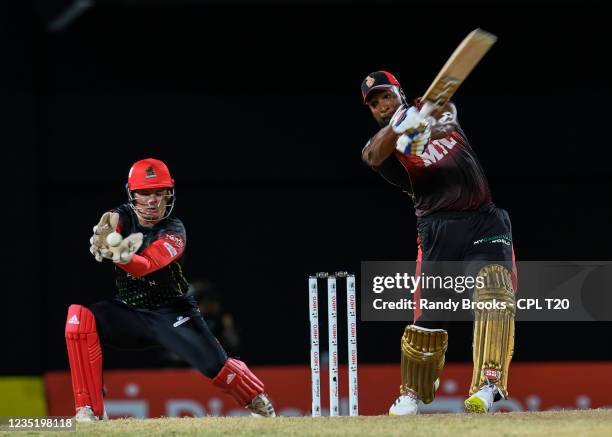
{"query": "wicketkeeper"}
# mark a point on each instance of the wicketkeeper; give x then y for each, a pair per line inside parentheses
(431, 160)
(150, 308)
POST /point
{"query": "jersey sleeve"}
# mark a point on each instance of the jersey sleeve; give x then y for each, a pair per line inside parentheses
(166, 249)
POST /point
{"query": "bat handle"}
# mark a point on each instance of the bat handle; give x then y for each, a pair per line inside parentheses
(427, 108)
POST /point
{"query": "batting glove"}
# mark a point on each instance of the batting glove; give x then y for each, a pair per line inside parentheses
(407, 119)
(413, 143)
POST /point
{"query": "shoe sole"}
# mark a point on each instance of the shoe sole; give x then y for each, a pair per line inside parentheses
(475, 405)
(400, 415)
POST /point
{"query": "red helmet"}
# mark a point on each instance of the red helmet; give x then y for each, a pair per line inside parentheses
(149, 173)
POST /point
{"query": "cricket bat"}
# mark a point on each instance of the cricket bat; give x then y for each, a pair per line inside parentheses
(457, 68)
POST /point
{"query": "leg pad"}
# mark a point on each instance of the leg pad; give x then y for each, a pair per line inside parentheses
(238, 381)
(85, 357)
(422, 361)
(493, 341)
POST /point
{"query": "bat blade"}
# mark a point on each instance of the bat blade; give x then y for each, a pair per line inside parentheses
(460, 64)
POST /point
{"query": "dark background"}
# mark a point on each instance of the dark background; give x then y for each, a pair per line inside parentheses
(256, 109)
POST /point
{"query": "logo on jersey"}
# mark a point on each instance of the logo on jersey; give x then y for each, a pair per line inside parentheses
(150, 282)
(436, 150)
(171, 250)
(447, 117)
(495, 239)
(180, 320)
(176, 239)
(74, 320)
(370, 81)
(150, 173)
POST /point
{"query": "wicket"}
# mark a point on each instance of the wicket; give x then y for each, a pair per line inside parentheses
(332, 323)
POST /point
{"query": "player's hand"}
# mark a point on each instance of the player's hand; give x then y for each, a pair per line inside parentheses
(408, 119)
(413, 143)
(124, 251)
(106, 225)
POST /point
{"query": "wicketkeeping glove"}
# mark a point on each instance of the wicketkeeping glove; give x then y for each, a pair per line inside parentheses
(106, 225)
(124, 251)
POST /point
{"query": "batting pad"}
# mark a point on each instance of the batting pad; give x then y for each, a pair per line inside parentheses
(422, 361)
(493, 342)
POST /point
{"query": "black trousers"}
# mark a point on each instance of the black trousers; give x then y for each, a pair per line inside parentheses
(179, 327)
(476, 238)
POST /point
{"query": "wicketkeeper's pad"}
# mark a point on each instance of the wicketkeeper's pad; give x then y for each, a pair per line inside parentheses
(85, 357)
(237, 380)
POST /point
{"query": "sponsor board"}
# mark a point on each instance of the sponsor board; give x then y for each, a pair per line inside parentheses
(177, 393)
(22, 396)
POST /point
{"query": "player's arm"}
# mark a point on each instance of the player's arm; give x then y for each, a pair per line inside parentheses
(380, 147)
(445, 121)
(156, 256)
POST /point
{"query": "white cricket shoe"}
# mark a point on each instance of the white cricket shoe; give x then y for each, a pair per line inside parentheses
(404, 405)
(408, 404)
(482, 400)
(86, 414)
(261, 406)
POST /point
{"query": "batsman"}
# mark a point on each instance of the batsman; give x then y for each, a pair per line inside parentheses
(144, 244)
(430, 158)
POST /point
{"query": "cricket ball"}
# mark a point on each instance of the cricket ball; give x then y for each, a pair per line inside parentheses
(114, 239)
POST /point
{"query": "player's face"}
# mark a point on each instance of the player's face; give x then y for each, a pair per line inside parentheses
(383, 105)
(151, 204)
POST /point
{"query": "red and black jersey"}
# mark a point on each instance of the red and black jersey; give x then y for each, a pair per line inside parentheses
(444, 176)
(154, 276)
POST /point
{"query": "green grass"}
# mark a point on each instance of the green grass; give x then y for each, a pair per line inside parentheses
(557, 423)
